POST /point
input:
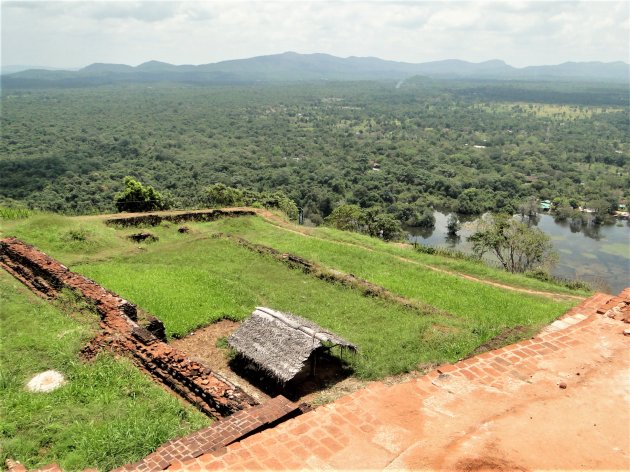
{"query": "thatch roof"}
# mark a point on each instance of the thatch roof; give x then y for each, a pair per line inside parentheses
(281, 343)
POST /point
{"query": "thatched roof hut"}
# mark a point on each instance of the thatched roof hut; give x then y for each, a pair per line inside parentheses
(282, 344)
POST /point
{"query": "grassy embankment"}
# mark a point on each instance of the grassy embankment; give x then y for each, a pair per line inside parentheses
(251, 229)
(191, 280)
(107, 414)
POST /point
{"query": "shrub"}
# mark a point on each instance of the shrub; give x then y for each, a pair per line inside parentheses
(137, 197)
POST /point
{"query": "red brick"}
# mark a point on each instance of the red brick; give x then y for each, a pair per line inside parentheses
(243, 454)
(323, 452)
(212, 463)
(491, 372)
(528, 351)
(334, 431)
(331, 444)
(273, 464)
(194, 466)
(309, 442)
(251, 465)
(485, 355)
(219, 451)
(258, 451)
(300, 451)
(502, 361)
(499, 367)
(446, 368)
(466, 373)
(300, 428)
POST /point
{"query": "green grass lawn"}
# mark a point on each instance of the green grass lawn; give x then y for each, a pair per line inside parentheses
(190, 280)
(257, 230)
(193, 283)
(484, 304)
(107, 414)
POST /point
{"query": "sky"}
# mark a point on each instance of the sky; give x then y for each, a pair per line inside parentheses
(72, 34)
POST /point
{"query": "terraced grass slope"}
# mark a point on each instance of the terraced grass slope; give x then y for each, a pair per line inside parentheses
(107, 414)
(190, 280)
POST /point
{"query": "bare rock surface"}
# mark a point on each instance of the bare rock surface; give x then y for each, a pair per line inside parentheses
(46, 381)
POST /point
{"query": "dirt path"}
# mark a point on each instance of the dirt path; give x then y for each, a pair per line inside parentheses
(553, 296)
(557, 402)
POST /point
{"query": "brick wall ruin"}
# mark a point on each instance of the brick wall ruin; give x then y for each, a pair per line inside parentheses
(211, 393)
(153, 219)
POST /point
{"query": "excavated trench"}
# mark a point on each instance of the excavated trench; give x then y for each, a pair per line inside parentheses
(196, 383)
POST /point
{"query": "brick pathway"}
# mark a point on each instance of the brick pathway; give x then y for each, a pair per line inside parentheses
(558, 401)
(218, 435)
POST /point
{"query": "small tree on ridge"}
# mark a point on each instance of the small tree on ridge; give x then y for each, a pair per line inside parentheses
(137, 197)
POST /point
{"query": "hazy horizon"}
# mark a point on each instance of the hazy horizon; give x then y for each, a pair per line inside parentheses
(46, 66)
(74, 34)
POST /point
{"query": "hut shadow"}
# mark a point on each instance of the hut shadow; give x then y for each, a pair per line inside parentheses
(330, 370)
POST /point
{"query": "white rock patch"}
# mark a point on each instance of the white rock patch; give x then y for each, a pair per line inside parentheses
(46, 381)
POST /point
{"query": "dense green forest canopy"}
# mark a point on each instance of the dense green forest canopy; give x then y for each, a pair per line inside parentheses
(404, 147)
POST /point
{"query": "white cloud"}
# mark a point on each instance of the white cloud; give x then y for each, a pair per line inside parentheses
(196, 32)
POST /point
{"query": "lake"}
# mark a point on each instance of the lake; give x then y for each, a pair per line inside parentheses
(598, 254)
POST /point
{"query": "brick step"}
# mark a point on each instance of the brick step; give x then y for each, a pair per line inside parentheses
(217, 436)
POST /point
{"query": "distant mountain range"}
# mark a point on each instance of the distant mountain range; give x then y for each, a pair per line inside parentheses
(13, 68)
(292, 67)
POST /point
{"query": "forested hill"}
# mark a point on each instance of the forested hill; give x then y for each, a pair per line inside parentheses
(469, 146)
(291, 67)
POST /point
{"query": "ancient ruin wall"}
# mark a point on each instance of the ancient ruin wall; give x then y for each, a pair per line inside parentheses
(153, 219)
(210, 392)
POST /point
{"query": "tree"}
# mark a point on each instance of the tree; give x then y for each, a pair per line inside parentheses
(473, 201)
(137, 197)
(529, 208)
(377, 223)
(563, 212)
(221, 195)
(518, 247)
(345, 217)
(416, 214)
(280, 201)
(602, 210)
(453, 225)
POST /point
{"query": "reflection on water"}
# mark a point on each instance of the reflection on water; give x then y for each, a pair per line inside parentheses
(599, 254)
